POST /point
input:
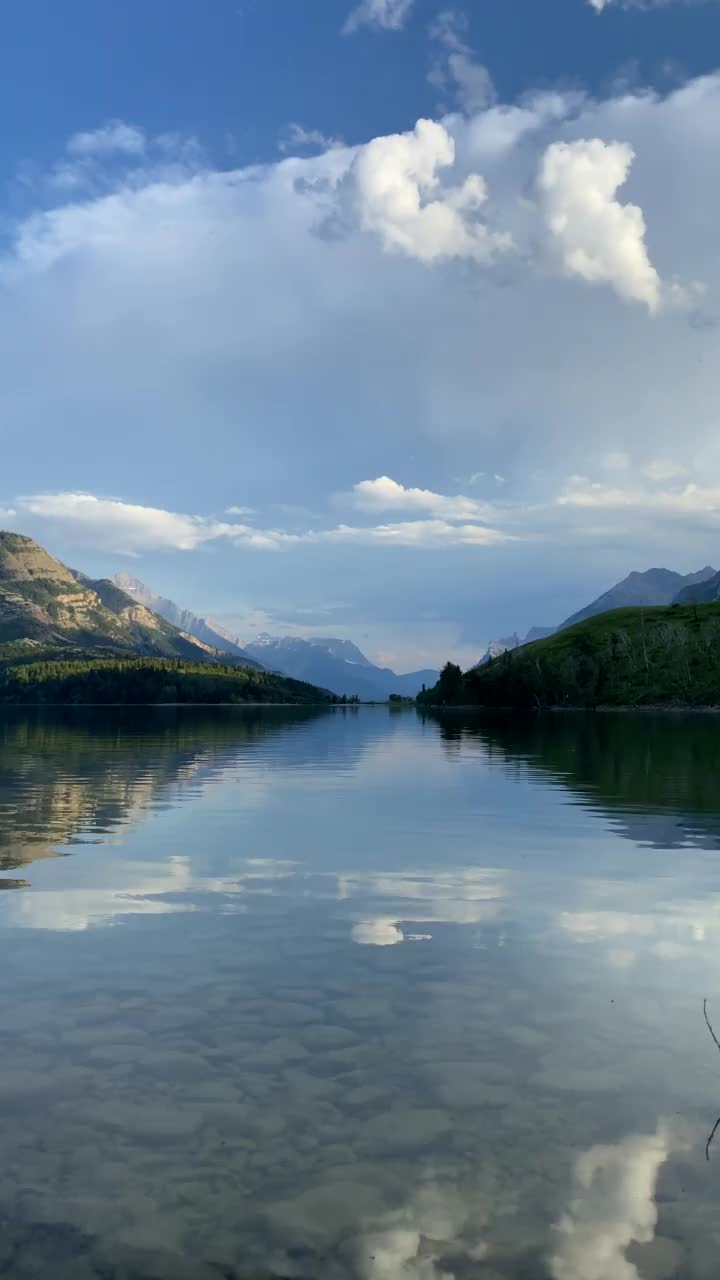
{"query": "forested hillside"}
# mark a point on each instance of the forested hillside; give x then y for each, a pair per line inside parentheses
(629, 657)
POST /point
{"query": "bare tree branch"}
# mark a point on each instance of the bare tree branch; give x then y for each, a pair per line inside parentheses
(708, 1144)
(709, 1024)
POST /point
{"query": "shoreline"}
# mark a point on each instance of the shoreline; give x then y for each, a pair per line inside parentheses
(161, 706)
(649, 708)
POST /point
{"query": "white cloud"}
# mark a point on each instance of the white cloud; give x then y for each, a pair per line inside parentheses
(597, 238)
(127, 528)
(613, 1206)
(114, 137)
(472, 83)
(400, 198)
(695, 502)
(385, 494)
(387, 15)
(297, 136)
(423, 534)
(663, 469)
(246, 308)
(444, 521)
(601, 5)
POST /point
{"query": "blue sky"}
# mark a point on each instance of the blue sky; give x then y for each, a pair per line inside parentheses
(308, 365)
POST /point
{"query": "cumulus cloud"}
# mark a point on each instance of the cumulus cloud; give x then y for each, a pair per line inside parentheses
(114, 137)
(386, 15)
(613, 1206)
(215, 304)
(400, 198)
(385, 494)
(458, 70)
(597, 238)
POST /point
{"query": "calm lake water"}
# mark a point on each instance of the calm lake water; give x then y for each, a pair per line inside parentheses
(358, 994)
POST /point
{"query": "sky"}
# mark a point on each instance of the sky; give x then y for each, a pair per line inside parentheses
(391, 321)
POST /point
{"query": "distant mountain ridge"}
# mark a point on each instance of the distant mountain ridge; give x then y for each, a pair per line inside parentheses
(650, 588)
(325, 661)
(336, 664)
(653, 587)
(43, 601)
(204, 630)
(701, 592)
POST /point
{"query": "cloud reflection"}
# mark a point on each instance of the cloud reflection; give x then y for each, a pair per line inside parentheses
(418, 1241)
(464, 896)
(612, 1206)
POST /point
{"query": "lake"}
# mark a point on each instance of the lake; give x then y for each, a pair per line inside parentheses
(359, 994)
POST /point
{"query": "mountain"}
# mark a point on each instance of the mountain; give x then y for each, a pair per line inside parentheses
(335, 664)
(43, 601)
(496, 647)
(202, 629)
(649, 656)
(653, 587)
(539, 633)
(702, 592)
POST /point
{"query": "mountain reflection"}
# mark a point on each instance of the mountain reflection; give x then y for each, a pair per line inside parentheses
(654, 776)
(70, 777)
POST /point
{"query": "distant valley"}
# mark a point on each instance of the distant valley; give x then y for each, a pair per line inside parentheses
(325, 661)
(338, 665)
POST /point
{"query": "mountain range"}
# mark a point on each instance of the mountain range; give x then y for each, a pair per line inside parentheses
(202, 629)
(701, 592)
(336, 664)
(651, 588)
(325, 661)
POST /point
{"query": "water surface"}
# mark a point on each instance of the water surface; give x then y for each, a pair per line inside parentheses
(358, 994)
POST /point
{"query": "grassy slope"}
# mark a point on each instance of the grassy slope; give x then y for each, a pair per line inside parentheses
(33, 674)
(629, 657)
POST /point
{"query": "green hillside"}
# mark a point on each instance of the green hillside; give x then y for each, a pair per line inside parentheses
(33, 674)
(630, 657)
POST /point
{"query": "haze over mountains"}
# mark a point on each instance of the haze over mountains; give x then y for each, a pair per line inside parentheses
(327, 662)
(203, 629)
(338, 665)
(651, 588)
